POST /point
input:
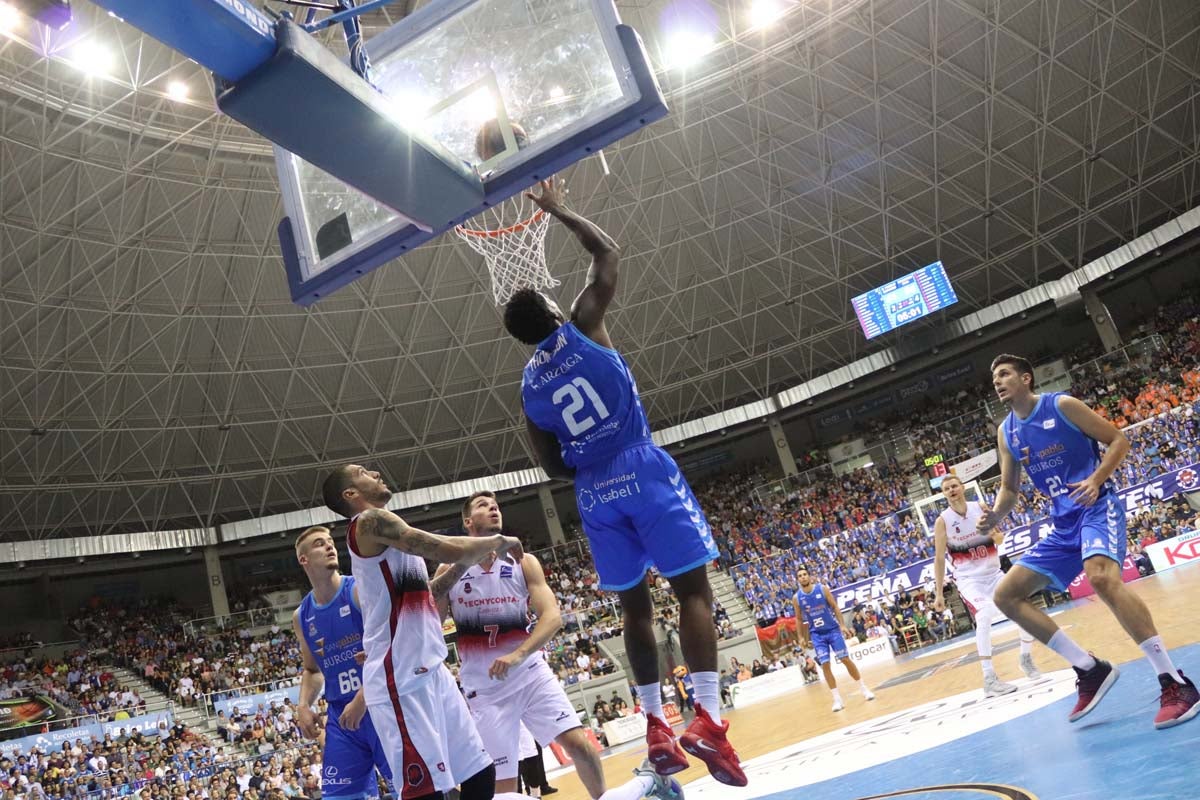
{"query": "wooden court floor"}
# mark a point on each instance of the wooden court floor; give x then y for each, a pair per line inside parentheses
(805, 713)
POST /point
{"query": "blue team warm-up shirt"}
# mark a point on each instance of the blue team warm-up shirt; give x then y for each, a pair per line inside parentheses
(334, 633)
(1056, 454)
(636, 507)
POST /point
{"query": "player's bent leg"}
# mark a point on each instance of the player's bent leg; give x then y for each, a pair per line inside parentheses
(1105, 576)
(587, 760)
(1012, 597)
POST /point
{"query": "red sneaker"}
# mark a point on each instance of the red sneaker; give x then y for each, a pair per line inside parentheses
(706, 740)
(1179, 702)
(662, 749)
(1092, 686)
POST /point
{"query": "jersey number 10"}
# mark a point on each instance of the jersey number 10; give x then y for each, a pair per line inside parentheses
(576, 403)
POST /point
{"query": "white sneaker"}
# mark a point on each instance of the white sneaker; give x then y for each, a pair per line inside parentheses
(665, 787)
(1029, 668)
(993, 686)
(867, 693)
(838, 705)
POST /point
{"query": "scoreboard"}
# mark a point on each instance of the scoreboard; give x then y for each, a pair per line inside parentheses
(905, 299)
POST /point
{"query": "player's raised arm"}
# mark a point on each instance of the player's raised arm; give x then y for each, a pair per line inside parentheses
(378, 527)
(1010, 485)
(1094, 426)
(587, 312)
(311, 682)
(939, 564)
(548, 451)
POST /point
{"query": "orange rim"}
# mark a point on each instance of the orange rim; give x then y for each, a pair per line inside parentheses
(517, 228)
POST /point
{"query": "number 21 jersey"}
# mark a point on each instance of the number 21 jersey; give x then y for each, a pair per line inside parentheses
(585, 395)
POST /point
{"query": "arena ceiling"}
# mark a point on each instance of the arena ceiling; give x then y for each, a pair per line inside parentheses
(155, 375)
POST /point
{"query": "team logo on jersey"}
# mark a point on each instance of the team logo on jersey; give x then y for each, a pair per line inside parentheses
(1024, 455)
(312, 629)
(505, 572)
(1186, 478)
(587, 500)
(414, 775)
(344, 611)
(466, 588)
(1048, 424)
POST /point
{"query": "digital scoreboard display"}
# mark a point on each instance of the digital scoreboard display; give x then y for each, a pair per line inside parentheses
(913, 296)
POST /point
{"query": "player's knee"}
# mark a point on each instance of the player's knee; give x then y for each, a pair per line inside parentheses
(986, 615)
(576, 743)
(1105, 579)
(1006, 598)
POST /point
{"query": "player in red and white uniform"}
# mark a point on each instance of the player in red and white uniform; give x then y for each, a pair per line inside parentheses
(503, 671)
(419, 715)
(977, 571)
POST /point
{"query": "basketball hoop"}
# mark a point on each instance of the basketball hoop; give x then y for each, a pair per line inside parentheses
(515, 253)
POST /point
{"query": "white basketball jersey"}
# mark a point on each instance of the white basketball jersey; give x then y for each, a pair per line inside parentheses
(402, 631)
(491, 612)
(971, 553)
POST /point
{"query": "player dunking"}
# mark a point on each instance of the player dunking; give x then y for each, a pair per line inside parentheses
(503, 671)
(821, 629)
(976, 572)
(1056, 438)
(329, 628)
(420, 716)
(586, 423)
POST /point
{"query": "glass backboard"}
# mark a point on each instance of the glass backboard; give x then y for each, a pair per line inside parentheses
(561, 69)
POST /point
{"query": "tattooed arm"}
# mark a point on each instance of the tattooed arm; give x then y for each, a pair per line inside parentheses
(439, 587)
(377, 529)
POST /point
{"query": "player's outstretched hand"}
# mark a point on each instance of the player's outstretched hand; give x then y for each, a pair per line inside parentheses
(1085, 492)
(512, 548)
(307, 720)
(500, 668)
(987, 521)
(353, 713)
(552, 194)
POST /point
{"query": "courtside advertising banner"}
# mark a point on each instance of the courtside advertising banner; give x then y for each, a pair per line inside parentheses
(1182, 549)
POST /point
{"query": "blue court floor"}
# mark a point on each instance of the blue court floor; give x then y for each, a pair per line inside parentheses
(1019, 746)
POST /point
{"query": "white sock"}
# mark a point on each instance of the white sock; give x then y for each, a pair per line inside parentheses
(1156, 652)
(1073, 653)
(988, 670)
(708, 693)
(837, 695)
(1026, 643)
(636, 789)
(863, 685)
(651, 697)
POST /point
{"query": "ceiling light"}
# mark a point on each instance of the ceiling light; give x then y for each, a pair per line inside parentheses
(92, 57)
(685, 48)
(177, 90)
(557, 93)
(764, 12)
(8, 18)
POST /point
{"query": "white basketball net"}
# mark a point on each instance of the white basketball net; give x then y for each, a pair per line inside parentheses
(514, 246)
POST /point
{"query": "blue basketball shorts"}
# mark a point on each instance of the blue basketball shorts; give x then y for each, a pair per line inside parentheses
(351, 758)
(1098, 530)
(827, 643)
(637, 511)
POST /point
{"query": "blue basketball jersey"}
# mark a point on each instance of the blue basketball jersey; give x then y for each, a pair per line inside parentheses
(1054, 452)
(334, 634)
(817, 613)
(585, 395)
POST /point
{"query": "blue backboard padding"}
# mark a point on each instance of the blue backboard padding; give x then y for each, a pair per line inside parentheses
(309, 102)
(650, 108)
(229, 37)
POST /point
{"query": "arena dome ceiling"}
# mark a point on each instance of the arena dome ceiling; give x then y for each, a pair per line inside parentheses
(154, 374)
